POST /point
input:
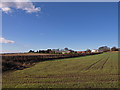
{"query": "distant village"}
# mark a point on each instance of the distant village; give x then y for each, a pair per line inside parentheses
(70, 51)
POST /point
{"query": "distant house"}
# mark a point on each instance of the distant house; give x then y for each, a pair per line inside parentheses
(95, 51)
(83, 51)
(64, 52)
(79, 51)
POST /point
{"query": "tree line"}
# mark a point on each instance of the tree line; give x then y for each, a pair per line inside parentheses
(66, 50)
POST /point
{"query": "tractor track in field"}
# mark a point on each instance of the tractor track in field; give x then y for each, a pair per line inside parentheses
(105, 62)
(94, 63)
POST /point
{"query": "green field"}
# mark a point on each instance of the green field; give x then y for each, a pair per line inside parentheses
(95, 71)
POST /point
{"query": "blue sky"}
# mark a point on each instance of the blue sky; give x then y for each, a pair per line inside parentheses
(78, 26)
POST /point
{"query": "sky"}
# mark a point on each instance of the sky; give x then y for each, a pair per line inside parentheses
(78, 26)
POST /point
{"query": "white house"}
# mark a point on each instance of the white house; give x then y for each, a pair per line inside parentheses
(95, 50)
(63, 52)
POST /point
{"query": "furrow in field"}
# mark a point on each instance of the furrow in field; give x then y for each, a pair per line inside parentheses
(94, 63)
(105, 62)
(99, 65)
(83, 64)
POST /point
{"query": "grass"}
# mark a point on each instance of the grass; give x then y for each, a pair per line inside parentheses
(95, 71)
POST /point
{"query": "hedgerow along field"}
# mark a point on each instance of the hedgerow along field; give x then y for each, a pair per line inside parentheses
(94, 71)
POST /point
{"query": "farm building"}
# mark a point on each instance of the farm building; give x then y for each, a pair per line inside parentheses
(95, 51)
(79, 51)
(83, 51)
(64, 52)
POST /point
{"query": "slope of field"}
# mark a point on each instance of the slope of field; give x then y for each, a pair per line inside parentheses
(95, 71)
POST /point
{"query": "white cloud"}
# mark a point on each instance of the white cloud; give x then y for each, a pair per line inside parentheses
(6, 9)
(26, 6)
(3, 40)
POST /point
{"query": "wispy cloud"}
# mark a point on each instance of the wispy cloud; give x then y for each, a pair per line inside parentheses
(3, 40)
(28, 7)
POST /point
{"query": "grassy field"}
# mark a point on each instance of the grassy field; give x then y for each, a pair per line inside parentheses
(95, 71)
